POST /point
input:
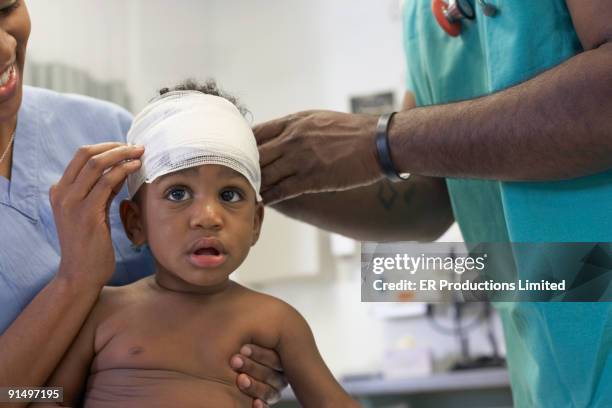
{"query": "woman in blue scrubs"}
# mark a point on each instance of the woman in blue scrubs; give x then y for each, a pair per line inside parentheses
(56, 251)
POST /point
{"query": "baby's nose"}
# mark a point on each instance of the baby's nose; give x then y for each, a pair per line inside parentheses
(207, 215)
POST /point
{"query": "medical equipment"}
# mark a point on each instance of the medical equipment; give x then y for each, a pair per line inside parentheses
(488, 9)
(449, 13)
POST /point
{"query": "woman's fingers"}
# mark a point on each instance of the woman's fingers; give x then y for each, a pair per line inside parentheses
(257, 403)
(81, 157)
(109, 185)
(260, 372)
(257, 389)
(97, 166)
(80, 202)
(265, 356)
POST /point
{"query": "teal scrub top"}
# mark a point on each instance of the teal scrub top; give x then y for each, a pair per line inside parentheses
(559, 354)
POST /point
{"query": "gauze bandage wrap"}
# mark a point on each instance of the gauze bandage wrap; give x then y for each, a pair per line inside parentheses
(183, 129)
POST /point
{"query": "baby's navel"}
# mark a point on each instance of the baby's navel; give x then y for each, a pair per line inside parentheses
(135, 350)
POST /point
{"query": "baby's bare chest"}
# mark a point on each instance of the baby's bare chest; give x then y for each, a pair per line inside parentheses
(188, 338)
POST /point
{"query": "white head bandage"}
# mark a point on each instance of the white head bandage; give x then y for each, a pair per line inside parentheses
(183, 129)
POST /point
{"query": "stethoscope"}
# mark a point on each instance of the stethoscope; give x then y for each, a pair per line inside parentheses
(449, 13)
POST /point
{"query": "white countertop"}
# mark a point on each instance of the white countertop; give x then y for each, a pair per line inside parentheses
(451, 381)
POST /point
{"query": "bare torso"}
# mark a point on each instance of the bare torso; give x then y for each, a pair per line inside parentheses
(136, 388)
(157, 348)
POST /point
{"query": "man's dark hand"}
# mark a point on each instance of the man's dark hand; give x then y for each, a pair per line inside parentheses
(260, 374)
(316, 151)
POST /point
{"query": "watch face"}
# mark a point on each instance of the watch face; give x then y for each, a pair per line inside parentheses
(466, 8)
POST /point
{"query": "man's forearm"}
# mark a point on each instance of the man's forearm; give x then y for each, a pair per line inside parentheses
(554, 126)
(33, 345)
(418, 210)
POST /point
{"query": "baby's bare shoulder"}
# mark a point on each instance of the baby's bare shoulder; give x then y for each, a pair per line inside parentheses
(118, 297)
(265, 305)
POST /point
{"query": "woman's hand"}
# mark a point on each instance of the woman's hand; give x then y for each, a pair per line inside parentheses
(80, 202)
(260, 374)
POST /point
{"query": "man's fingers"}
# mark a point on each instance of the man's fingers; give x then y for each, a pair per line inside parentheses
(257, 389)
(281, 191)
(267, 131)
(99, 164)
(274, 173)
(110, 183)
(270, 152)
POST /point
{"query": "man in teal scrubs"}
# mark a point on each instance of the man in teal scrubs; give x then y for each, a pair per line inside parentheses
(511, 137)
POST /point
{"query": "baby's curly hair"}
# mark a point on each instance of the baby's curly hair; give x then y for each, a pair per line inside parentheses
(210, 88)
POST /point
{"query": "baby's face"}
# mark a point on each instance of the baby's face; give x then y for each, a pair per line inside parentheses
(199, 223)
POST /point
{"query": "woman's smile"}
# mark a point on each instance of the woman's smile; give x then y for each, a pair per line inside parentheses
(8, 82)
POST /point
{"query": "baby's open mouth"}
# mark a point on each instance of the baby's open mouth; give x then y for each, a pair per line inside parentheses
(207, 251)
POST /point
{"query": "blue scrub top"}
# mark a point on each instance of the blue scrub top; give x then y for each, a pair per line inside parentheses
(559, 354)
(50, 129)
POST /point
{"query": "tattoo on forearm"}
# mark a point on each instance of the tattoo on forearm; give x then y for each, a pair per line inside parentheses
(408, 194)
(386, 194)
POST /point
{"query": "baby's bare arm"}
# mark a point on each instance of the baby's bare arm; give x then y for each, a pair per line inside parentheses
(311, 380)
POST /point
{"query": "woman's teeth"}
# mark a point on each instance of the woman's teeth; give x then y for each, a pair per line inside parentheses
(6, 75)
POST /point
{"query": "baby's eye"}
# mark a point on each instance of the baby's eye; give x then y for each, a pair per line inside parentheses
(178, 194)
(231, 196)
(9, 7)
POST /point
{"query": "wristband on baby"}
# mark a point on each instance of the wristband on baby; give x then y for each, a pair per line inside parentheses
(383, 150)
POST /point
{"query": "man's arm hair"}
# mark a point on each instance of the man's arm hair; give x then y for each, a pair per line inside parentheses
(414, 210)
(553, 126)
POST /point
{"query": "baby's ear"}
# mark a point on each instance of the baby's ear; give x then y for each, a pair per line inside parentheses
(131, 217)
(259, 216)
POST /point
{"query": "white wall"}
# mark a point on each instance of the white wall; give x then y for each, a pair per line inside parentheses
(279, 55)
(85, 34)
(292, 54)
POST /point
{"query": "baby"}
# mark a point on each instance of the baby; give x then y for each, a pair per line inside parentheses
(165, 341)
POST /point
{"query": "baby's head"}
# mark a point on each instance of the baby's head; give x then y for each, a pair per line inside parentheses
(195, 201)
